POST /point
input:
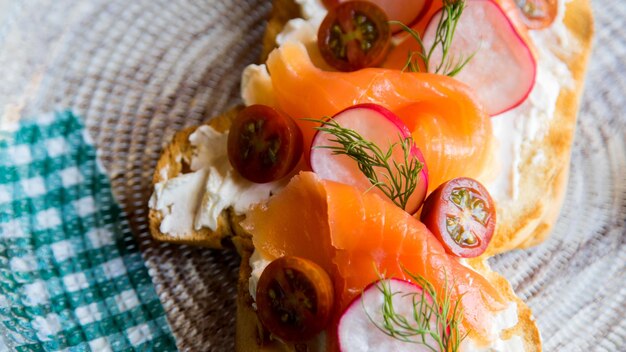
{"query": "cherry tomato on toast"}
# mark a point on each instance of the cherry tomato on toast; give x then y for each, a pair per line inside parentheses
(462, 215)
(354, 35)
(263, 144)
(294, 298)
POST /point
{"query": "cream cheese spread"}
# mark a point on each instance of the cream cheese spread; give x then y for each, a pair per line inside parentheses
(312, 10)
(195, 200)
(178, 216)
(258, 264)
(528, 122)
(505, 319)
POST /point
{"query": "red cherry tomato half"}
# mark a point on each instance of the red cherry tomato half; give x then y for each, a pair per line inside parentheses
(537, 14)
(294, 298)
(462, 215)
(263, 144)
(354, 35)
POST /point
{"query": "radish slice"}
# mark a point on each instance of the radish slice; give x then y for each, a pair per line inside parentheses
(360, 325)
(408, 12)
(503, 68)
(375, 124)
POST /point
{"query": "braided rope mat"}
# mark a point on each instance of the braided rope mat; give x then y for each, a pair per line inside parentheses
(139, 71)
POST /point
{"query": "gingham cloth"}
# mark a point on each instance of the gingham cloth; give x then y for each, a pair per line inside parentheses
(71, 275)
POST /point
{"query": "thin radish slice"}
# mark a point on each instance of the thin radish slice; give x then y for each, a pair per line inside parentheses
(361, 326)
(408, 12)
(503, 68)
(380, 126)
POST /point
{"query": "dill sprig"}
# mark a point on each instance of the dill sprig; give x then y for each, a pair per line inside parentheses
(396, 180)
(449, 65)
(434, 322)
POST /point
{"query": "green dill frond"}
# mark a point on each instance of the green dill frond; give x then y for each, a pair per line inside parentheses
(397, 180)
(435, 319)
(444, 34)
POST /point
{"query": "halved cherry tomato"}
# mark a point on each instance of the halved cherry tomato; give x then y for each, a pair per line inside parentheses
(354, 35)
(294, 298)
(537, 14)
(264, 144)
(462, 215)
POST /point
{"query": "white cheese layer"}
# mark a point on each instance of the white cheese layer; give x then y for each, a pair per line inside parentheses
(529, 121)
(195, 200)
(505, 319)
(258, 264)
(178, 212)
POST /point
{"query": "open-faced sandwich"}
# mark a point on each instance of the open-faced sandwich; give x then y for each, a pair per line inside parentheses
(387, 149)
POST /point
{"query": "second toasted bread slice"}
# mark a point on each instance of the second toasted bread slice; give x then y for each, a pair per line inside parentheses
(175, 161)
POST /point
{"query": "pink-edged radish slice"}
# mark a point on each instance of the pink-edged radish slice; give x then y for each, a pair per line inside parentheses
(375, 124)
(408, 12)
(361, 326)
(503, 69)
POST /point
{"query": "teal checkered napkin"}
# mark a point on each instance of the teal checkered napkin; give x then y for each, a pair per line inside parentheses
(71, 275)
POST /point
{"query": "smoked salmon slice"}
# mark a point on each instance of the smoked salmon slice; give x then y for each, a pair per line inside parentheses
(448, 125)
(355, 236)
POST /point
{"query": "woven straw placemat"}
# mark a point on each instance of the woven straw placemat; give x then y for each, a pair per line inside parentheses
(140, 70)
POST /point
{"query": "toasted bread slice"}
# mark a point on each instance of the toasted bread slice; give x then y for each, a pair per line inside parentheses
(523, 224)
(176, 160)
(526, 223)
(176, 157)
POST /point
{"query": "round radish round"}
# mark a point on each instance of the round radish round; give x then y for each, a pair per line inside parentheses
(361, 328)
(378, 125)
(503, 68)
